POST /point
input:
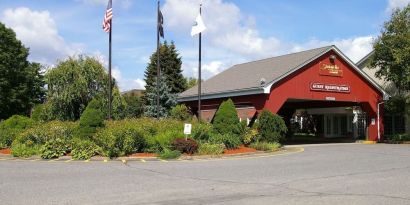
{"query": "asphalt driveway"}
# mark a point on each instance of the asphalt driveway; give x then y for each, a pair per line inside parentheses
(323, 174)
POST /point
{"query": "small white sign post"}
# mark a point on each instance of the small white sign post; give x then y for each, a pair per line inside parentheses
(187, 130)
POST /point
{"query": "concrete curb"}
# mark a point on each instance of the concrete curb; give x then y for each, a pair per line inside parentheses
(284, 150)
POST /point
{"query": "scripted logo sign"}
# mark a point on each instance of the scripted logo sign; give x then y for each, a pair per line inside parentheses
(330, 70)
(330, 88)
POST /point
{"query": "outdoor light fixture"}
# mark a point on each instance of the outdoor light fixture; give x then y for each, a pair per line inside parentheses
(332, 58)
(263, 81)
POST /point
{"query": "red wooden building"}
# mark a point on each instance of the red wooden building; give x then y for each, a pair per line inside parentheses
(323, 82)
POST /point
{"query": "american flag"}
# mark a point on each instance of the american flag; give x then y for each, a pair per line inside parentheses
(107, 17)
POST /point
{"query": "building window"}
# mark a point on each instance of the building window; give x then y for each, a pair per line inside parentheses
(343, 124)
(328, 125)
(335, 125)
(394, 124)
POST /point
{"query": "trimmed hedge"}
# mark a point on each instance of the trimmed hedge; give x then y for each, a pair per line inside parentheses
(91, 119)
(271, 127)
(226, 118)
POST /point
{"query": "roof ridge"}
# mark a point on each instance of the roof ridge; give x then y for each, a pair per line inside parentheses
(288, 54)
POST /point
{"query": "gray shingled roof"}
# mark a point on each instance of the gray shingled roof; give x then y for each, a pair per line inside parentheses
(247, 76)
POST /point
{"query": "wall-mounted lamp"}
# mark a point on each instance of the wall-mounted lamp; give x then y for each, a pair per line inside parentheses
(332, 58)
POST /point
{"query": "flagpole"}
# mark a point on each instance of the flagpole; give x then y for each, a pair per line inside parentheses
(158, 67)
(109, 73)
(199, 71)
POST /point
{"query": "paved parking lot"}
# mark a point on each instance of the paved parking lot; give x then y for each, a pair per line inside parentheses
(324, 174)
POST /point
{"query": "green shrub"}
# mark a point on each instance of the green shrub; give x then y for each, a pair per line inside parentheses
(41, 113)
(211, 149)
(265, 146)
(90, 120)
(54, 148)
(230, 141)
(202, 131)
(41, 133)
(23, 150)
(84, 149)
(180, 112)
(162, 140)
(226, 119)
(400, 137)
(51, 133)
(10, 128)
(183, 145)
(134, 106)
(251, 135)
(272, 128)
(247, 134)
(169, 154)
(119, 139)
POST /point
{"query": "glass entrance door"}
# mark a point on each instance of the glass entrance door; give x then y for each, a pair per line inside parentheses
(337, 125)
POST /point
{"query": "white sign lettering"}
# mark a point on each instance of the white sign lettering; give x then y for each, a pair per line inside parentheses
(330, 88)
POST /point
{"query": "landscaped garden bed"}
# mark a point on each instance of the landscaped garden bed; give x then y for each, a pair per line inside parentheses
(140, 137)
(5, 151)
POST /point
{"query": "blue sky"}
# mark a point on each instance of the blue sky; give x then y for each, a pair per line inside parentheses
(237, 30)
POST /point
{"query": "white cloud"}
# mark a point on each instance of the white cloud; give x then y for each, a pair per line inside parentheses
(394, 4)
(38, 31)
(214, 67)
(227, 27)
(207, 70)
(123, 3)
(140, 84)
(125, 84)
(354, 48)
(231, 37)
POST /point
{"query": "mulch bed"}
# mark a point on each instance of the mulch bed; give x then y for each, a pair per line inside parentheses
(5, 151)
(240, 150)
(143, 155)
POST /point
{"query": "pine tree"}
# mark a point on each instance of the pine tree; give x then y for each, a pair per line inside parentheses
(167, 100)
(170, 65)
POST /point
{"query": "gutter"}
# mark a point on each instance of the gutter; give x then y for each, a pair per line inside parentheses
(232, 93)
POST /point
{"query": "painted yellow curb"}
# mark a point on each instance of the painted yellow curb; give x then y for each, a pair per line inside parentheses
(369, 142)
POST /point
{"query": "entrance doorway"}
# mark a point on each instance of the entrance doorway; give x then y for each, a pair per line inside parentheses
(324, 121)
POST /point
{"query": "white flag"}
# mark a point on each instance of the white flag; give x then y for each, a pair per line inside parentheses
(198, 27)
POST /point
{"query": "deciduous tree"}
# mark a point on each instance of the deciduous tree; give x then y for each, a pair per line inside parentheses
(73, 83)
(392, 50)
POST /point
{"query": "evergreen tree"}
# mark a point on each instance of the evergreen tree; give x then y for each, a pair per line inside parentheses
(226, 118)
(21, 82)
(167, 100)
(170, 65)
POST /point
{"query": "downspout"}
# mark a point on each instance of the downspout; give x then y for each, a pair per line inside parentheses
(378, 120)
